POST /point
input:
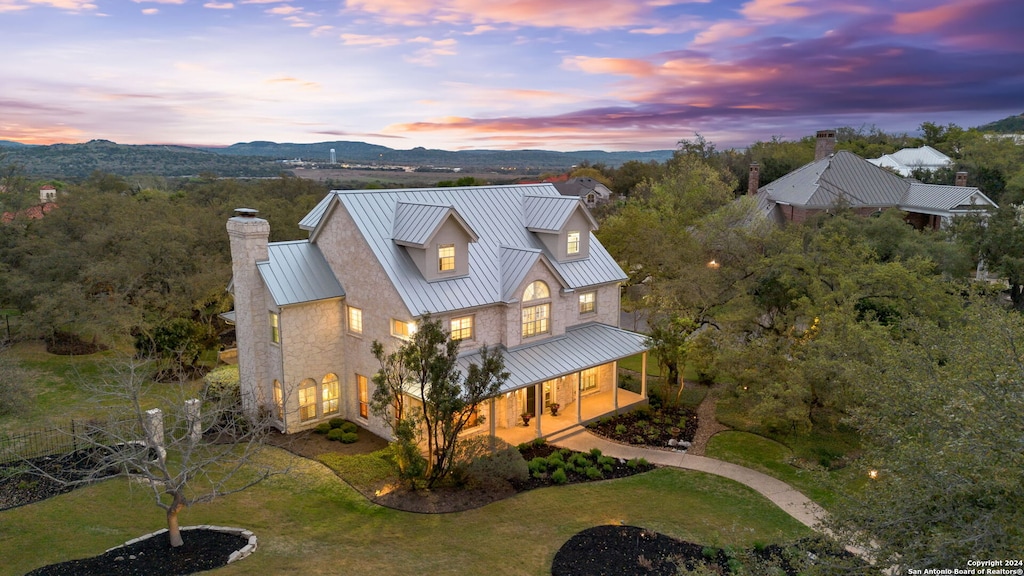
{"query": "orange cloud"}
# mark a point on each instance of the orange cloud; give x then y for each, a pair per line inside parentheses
(774, 10)
(620, 66)
(723, 31)
(284, 10)
(580, 14)
(294, 81)
(41, 135)
(929, 20)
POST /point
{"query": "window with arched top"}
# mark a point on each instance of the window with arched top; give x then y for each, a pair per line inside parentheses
(307, 399)
(330, 392)
(536, 317)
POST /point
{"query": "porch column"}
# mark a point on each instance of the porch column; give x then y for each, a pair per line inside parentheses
(615, 390)
(643, 375)
(539, 402)
(494, 422)
(579, 397)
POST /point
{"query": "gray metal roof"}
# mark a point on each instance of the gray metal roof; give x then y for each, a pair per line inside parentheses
(943, 199)
(416, 224)
(297, 272)
(583, 346)
(548, 214)
(515, 263)
(495, 213)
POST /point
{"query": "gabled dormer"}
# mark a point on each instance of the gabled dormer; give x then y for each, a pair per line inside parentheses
(562, 223)
(436, 237)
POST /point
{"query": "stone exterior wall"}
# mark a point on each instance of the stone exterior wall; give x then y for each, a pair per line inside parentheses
(312, 347)
(248, 238)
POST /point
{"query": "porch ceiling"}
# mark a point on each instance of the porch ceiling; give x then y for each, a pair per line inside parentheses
(581, 347)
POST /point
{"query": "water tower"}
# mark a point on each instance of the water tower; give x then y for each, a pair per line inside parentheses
(334, 160)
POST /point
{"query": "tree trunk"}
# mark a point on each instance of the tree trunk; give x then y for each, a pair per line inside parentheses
(1017, 295)
(173, 532)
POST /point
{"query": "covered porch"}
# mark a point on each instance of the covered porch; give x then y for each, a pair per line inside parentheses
(576, 372)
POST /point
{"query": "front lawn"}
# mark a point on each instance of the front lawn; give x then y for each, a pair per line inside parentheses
(311, 522)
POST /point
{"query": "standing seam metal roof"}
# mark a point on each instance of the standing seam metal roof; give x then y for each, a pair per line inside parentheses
(297, 272)
(495, 213)
(583, 346)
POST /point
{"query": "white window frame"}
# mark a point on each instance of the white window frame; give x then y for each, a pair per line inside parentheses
(572, 244)
(363, 394)
(462, 328)
(330, 403)
(307, 400)
(274, 319)
(588, 302)
(589, 379)
(445, 262)
(536, 318)
(403, 333)
(355, 320)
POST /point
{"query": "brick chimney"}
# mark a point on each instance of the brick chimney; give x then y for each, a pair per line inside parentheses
(249, 236)
(961, 178)
(824, 144)
(754, 179)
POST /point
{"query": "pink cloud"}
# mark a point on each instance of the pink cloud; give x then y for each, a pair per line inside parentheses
(219, 5)
(69, 5)
(725, 30)
(284, 10)
(929, 20)
(620, 66)
(579, 14)
(774, 10)
(372, 41)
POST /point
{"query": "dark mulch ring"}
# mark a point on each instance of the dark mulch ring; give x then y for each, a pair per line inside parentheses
(634, 551)
(649, 426)
(67, 344)
(203, 550)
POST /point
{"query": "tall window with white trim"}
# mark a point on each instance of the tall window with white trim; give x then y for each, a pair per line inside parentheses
(536, 312)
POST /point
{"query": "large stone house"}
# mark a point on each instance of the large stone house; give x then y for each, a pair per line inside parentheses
(843, 178)
(514, 267)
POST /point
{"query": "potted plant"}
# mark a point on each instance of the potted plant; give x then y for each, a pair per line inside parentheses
(554, 406)
(526, 418)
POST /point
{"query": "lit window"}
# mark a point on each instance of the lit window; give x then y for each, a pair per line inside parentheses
(364, 396)
(446, 257)
(536, 319)
(462, 328)
(275, 328)
(307, 399)
(587, 302)
(536, 291)
(279, 399)
(588, 379)
(355, 320)
(402, 329)
(329, 394)
(574, 243)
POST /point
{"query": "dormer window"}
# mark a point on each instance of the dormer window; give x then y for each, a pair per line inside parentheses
(572, 247)
(446, 257)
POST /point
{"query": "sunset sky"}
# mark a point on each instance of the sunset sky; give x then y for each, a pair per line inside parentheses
(456, 74)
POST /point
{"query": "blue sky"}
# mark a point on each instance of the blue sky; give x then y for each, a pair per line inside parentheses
(456, 74)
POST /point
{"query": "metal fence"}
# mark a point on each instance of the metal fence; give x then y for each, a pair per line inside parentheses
(54, 441)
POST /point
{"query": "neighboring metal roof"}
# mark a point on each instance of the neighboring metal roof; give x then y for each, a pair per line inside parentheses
(297, 272)
(943, 199)
(906, 160)
(495, 213)
(549, 214)
(583, 346)
(416, 224)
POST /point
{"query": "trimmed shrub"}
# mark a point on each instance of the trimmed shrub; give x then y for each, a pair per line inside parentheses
(222, 384)
(637, 462)
(595, 452)
(349, 437)
(349, 426)
(605, 461)
(336, 422)
(335, 434)
(593, 473)
(484, 459)
(579, 460)
(620, 429)
(322, 428)
(559, 477)
(538, 464)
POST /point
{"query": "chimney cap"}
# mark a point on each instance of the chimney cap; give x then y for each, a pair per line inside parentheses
(246, 212)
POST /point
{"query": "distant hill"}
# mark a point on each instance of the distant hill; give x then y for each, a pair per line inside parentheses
(1008, 125)
(259, 159)
(9, 144)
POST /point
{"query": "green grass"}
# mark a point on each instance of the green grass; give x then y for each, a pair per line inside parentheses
(771, 457)
(311, 522)
(633, 363)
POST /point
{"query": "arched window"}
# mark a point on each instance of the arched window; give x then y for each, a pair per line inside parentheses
(536, 317)
(330, 392)
(307, 399)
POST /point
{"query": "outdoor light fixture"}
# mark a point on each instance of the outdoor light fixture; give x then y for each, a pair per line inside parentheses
(713, 264)
(873, 474)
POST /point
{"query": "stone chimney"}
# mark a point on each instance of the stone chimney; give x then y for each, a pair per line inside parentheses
(249, 236)
(754, 179)
(824, 144)
(961, 178)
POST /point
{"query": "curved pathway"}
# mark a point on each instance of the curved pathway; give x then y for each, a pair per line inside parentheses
(781, 494)
(707, 424)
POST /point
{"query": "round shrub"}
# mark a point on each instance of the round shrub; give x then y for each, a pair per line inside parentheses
(620, 429)
(594, 473)
(349, 437)
(559, 477)
(222, 384)
(538, 464)
(322, 428)
(335, 434)
(337, 422)
(349, 426)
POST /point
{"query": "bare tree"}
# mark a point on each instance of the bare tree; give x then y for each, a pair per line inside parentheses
(186, 446)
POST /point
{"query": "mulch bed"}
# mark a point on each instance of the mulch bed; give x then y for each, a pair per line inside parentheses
(531, 451)
(203, 550)
(649, 427)
(25, 482)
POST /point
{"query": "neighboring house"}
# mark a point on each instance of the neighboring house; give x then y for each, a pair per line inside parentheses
(589, 190)
(907, 160)
(509, 266)
(32, 213)
(843, 178)
(47, 194)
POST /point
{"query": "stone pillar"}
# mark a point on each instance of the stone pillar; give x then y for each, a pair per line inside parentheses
(615, 394)
(539, 405)
(249, 236)
(579, 397)
(643, 375)
(154, 426)
(195, 424)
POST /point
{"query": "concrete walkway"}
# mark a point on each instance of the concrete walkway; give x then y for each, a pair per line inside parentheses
(783, 495)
